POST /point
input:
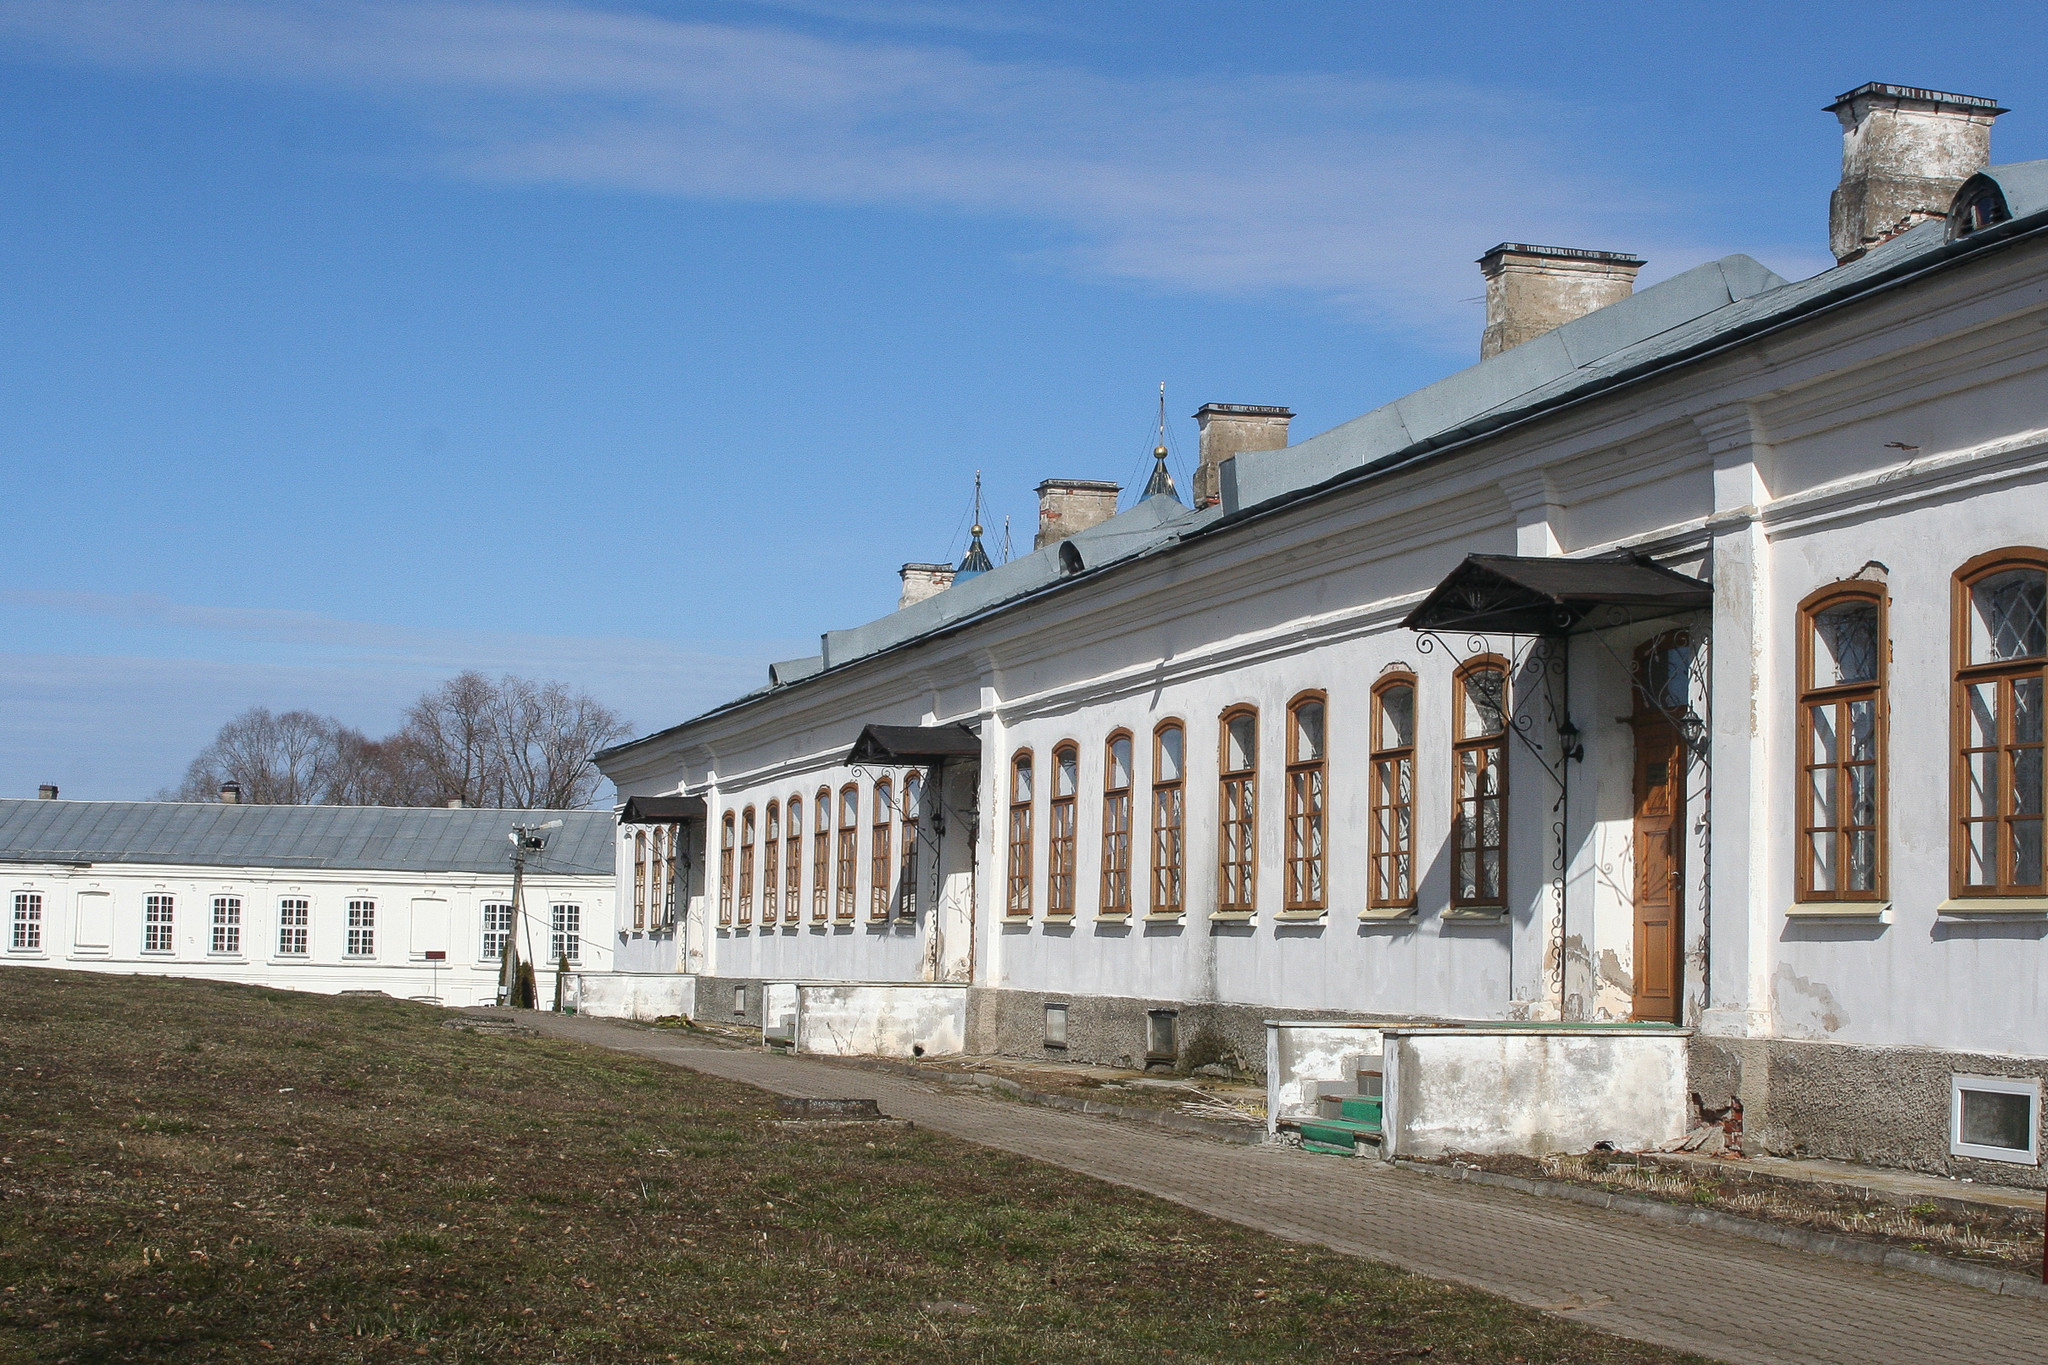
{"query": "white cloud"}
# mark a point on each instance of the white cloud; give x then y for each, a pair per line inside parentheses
(1373, 195)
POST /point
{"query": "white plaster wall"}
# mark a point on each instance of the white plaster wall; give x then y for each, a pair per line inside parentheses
(882, 1021)
(1300, 1056)
(1533, 1092)
(398, 966)
(636, 995)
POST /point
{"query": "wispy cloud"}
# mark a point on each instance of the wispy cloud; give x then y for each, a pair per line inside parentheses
(1374, 195)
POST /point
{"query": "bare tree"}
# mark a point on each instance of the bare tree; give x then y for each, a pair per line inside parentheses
(450, 731)
(279, 760)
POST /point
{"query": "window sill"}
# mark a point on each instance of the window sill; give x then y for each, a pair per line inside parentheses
(1864, 910)
(1301, 916)
(1387, 914)
(1059, 919)
(1016, 919)
(1114, 916)
(1233, 916)
(1166, 917)
(1477, 914)
(1969, 907)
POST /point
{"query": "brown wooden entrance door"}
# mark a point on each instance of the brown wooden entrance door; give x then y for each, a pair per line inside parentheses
(1660, 864)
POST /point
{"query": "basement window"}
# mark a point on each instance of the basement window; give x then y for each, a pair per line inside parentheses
(1160, 1041)
(1056, 1026)
(1996, 1118)
(739, 1002)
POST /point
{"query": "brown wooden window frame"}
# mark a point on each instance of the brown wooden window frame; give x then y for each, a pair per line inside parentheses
(1062, 836)
(1169, 828)
(881, 862)
(1115, 902)
(849, 850)
(2007, 676)
(909, 811)
(821, 856)
(1391, 815)
(748, 829)
(728, 834)
(793, 863)
(1237, 818)
(640, 879)
(1017, 891)
(771, 862)
(1840, 697)
(1491, 751)
(1307, 881)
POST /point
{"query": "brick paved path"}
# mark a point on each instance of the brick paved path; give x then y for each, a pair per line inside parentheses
(1721, 1296)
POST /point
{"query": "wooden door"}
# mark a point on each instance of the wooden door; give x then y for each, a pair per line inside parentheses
(1660, 868)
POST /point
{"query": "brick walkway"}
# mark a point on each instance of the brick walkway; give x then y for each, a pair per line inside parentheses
(1721, 1296)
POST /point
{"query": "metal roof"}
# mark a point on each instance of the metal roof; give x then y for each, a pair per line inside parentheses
(372, 838)
(1540, 595)
(662, 810)
(913, 745)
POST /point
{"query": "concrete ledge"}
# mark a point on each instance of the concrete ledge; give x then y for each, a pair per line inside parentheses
(1841, 1246)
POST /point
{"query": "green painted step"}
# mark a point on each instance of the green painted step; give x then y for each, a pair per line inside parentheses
(1335, 1135)
(1361, 1109)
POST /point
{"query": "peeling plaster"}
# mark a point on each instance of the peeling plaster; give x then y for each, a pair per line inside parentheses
(1805, 1009)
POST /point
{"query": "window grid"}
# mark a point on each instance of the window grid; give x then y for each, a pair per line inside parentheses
(227, 926)
(1391, 832)
(294, 919)
(912, 811)
(1018, 900)
(1237, 843)
(1842, 721)
(793, 868)
(725, 840)
(771, 864)
(640, 879)
(1060, 832)
(1116, 826)
(28, 922)
(362, 929)
(1307, 776)
(497, 931)
(1479, 794)
(821, 856)
(157, 913)
(849, 836)
(1169, 819)
(565, 939)
(880, 865)
(2001, 685)
(746, 905)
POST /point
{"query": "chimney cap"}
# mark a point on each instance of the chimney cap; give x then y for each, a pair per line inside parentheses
(231, 792)
(1562, 253)
(1241, 410)
(1975, 104)
(1082, 485)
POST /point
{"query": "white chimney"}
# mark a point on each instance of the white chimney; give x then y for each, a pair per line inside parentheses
(1532, 289)
(921, 581)
(1905, 153)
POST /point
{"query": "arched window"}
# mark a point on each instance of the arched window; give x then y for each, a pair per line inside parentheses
(1237, 830)
(821, 856)
(1169, 813)
(771, 863)
(881, 866)
(2001, 648)
(849, 835)
(1391, 833)
(1059, 853)
(725, 842)
(1307, 788)
(665, 897)
(748, 830)
(1116, 826)
(793, 873)
(1017, 904)
(1480, 785)
(913, 801)
(640, 879)
(1842, 648)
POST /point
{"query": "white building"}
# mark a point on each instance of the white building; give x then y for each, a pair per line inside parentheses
(411, 902)
(1680, 663)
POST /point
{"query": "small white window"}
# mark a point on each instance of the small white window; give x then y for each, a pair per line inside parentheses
(362, 928)
(227, 926)
(567, 938)
(739, 1001)
(28, 922)
(1996, 1118)
(497, 930)
(156, 924)
(293, 916)
(1055, 1025)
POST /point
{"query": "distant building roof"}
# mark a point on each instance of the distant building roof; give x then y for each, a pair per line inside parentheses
(372, 838)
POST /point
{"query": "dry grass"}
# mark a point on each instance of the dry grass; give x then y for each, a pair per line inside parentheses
(194, 1171)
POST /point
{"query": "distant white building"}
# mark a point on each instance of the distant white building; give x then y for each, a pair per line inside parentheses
(416, 903)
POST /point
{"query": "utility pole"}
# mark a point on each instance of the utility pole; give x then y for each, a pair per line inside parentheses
(525, 839)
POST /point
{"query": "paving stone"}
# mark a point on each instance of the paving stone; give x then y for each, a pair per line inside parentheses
(1696, 1290)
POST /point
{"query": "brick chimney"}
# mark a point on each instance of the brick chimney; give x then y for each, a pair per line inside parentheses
(47, 792)
(1531, 289)
(1228, 430)
(921, 581)
(1069, 505)
(231, 793)
(1905, 153)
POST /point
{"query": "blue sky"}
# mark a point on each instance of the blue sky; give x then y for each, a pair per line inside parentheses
(346, 345)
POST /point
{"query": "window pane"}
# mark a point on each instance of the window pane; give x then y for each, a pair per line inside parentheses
(1170, 744)
(1863, 731)
(1983, 715)
(1826, 744)
(885, 803)
(849, 806)
(1066, 773)
(2026, 852)
(1468, 774)
(796, 817)
(1825, 813)
(1397, 718)
(1241, 744)
(1308, 732)
(913, 798)
(1120, 761)
(1484, 692)
(1821, 860)
(1020, 780)
(1990, 1119)
(1862, 807)
(2009, 616)
(1845, 644)
(2026, 710)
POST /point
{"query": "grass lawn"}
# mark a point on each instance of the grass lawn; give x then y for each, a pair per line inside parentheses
(193, 1171)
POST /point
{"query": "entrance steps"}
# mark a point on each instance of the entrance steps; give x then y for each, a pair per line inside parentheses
(1347, 1115)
